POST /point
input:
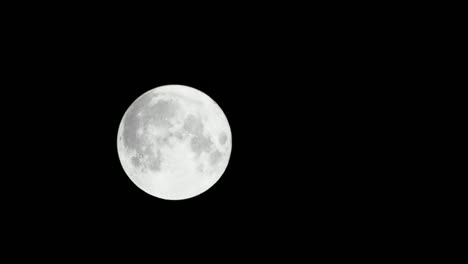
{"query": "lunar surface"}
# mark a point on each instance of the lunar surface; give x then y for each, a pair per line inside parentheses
(174, 142)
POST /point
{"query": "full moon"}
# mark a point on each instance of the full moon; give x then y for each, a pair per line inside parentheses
(174, 142)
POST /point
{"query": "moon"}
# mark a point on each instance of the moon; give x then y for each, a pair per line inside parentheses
(174, 142)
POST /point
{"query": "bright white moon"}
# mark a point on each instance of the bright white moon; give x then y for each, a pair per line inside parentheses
(174, 142)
